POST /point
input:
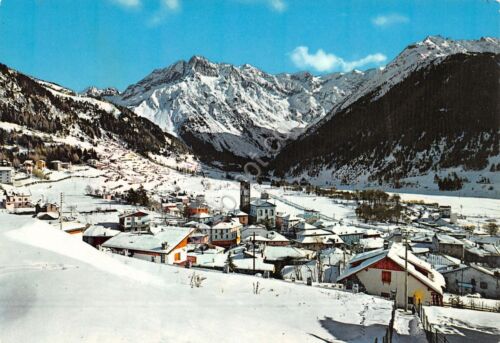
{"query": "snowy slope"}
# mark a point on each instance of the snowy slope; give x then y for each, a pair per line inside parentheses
(57, 288)
(41, 106)
(235, 108)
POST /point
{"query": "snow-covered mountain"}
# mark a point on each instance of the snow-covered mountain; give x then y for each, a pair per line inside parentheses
(432, 110)
(225, 112)
(222, 110)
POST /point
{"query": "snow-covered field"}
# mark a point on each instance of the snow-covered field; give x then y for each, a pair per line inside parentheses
(55, 288)
(459, 325)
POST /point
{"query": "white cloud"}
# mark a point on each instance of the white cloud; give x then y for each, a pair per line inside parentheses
(166, 7)
(128, 3)
(390, 19)
(278, 5)
(172, 4)
(275, 5)
(323, 62)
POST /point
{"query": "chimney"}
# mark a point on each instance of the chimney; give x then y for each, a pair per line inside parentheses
(386, 245)
(264, 196)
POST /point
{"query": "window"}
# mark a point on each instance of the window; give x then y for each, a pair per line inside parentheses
(473, 282)
(177, 256)
(386, 276)
(483, 285)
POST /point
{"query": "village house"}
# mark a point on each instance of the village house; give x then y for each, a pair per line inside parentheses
(55, 165)
(284, 222)
(249, 231)
(28, 166)
(281, 256)
(473, 279)
(276, 239)
(135, 221)
(240, 262)
(382, 272)
(98, 234)
(6, 175)
(201, 217)
(18, 202)
(310, 215)
(198, 238)
(171, 208)
(448, 245)
(41, 206)
(242, 216)
(197, 207)
(488, 254)
(263, 212)
(225, 233)
(350, 235)
(168, 246)
(445, 211)
(66, 165)
(317, 239)
(325, 268)
(40, 165)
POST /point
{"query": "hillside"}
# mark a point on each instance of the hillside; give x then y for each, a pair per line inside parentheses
(441, 116)
(58, 288)
(53, 111)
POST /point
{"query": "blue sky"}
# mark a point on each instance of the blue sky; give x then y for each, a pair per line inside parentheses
(78, 43)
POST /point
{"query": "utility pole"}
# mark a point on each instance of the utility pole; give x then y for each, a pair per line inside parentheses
(60, 211)
(254, 253)
(406, 270)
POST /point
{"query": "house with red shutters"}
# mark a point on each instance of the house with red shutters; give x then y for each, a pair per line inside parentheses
(382, 272)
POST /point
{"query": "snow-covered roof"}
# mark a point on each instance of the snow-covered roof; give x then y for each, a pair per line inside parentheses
(278, 253)
(372, 243)
(97, 230)
(134, 214)
(318, 239)
(276, 237)
(304, 226)
(396, 253)
(345, 230)
(170, 234)
(262, 203)
(257, 238)
(52, 215)
(201, 216)
(446, 239)
(196, 225)
(227, 225)
(219, 260)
